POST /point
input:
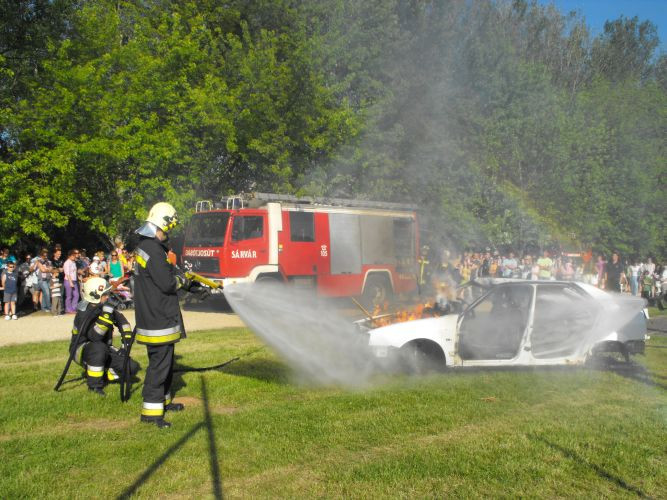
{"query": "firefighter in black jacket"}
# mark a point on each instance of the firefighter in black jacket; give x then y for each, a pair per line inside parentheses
(158, 314)
(92, 336)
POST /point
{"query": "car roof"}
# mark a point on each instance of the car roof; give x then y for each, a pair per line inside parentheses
(491, 282)
(488, 283)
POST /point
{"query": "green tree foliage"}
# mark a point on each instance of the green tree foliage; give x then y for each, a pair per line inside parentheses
(153, 100)
(506, 121)
(498, 119)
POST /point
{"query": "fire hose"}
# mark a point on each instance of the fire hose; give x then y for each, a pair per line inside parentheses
(202, 280)
(126, 375)
(187, 369)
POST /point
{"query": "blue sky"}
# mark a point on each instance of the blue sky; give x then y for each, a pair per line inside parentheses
(597, 12)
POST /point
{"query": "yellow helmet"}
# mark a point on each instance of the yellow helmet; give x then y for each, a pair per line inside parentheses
(94, 289)
(161, 216)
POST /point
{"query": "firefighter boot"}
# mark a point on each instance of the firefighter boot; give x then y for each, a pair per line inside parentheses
(97, 390)
(174, 407)
(160, 422)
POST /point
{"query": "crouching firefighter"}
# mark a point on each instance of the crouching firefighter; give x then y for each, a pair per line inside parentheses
(92, 335)
(158, 314)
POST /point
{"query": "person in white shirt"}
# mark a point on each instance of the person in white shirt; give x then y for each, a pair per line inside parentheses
(635, 270)
(510, 265)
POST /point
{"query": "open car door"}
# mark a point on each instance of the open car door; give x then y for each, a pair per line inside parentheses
(493, 329)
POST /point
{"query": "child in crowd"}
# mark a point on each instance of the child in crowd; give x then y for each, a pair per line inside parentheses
(646, 285)
(10, 278)
(56, 292)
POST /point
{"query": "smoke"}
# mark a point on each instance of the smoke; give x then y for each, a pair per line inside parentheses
(321, 346)
(613, 313)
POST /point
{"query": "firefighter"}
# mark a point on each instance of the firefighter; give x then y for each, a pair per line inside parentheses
(423, 275)
(158, 314)
(92, 335)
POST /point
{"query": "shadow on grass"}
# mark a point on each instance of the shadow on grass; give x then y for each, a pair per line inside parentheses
(596, 468)
(212, 452)
(633, 371)
(81, 380)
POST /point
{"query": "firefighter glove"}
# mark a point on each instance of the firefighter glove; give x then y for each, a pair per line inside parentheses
(184, 283)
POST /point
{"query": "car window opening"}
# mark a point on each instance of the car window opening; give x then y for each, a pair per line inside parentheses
(494, 327)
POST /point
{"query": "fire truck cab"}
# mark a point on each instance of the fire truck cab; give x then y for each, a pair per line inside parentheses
(337, 247)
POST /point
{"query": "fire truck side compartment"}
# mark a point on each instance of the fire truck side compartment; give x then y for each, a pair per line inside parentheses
(345, 241)
(377, 240)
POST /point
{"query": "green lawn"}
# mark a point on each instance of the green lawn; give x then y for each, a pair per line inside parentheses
(248, 432)
(654, 312)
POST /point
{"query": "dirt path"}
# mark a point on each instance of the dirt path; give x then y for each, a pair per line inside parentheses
(39, 327)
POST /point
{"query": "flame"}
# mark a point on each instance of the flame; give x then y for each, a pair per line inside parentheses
(382, 316)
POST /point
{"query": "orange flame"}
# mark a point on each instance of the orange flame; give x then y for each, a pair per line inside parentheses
(381, 316)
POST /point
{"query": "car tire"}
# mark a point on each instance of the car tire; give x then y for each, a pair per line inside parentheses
(420, 357)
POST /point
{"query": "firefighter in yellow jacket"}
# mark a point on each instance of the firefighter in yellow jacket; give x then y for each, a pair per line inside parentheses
(159, 324)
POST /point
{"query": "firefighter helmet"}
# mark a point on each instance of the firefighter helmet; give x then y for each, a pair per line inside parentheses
(161, 216)
(94, 289)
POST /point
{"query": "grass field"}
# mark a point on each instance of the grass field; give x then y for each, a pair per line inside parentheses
(248, 432)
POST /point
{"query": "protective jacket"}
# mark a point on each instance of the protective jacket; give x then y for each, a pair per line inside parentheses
(92, 335)
(158, 315)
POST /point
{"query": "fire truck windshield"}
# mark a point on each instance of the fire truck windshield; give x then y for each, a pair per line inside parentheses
(207, 230)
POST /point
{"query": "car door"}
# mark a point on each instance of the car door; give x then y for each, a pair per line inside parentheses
(563, 318)
(493, 329)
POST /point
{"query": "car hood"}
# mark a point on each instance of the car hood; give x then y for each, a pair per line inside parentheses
(441, 330)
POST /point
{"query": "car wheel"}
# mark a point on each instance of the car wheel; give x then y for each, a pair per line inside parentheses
(422, 356)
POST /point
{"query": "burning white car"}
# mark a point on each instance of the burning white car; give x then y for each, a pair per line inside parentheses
(515, 323)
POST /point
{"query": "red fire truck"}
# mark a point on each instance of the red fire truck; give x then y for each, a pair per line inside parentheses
(337, 247)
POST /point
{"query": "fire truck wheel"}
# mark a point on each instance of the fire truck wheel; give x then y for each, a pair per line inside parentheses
(422, 356)
(377, 291)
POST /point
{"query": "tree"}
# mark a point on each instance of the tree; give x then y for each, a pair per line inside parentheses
(624, 50)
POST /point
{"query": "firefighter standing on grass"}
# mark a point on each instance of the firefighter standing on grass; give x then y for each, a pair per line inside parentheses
(158, 314)
(92, 333)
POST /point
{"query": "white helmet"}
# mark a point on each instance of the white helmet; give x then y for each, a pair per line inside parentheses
(161, 216)
(94, 289)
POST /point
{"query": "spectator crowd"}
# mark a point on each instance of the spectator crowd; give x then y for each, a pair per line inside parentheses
(638, 277)
(54, 280)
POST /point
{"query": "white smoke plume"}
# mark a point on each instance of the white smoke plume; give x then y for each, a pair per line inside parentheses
(320, 344)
